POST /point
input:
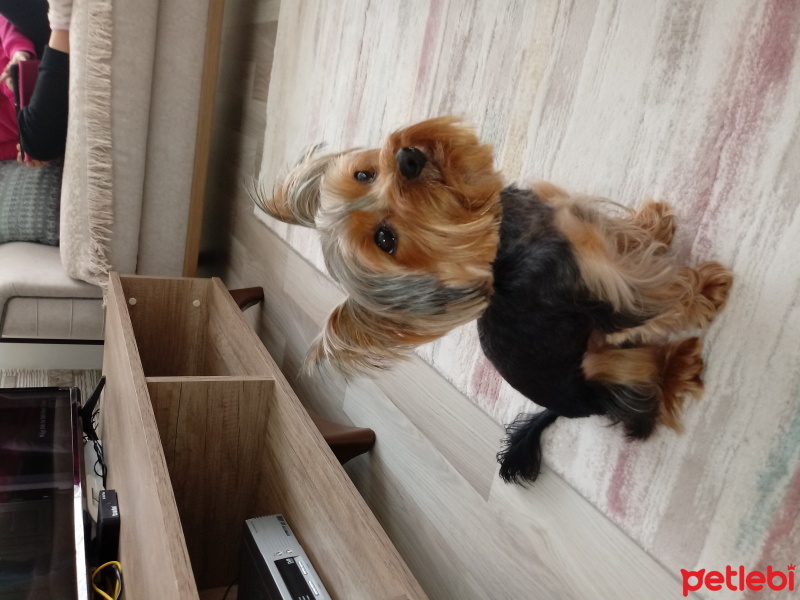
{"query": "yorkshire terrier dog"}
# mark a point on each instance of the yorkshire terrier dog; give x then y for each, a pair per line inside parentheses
(579, 303)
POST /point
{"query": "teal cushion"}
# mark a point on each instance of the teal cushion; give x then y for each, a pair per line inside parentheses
(30, 202)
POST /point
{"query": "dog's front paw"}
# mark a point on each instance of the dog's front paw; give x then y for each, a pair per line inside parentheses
(657, 218)
(715, 283)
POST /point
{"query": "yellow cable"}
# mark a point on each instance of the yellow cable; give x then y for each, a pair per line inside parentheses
(101, 592)
(116, 587)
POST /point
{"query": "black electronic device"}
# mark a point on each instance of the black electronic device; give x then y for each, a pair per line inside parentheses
(41, 501)
(106, 542)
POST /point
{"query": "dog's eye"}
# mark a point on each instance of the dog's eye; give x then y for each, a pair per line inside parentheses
(365, 176)
(385, 239)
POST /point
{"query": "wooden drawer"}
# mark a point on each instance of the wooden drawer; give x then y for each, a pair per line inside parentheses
(201, 431)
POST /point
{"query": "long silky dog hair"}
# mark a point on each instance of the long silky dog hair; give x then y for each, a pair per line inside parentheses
(578, 301)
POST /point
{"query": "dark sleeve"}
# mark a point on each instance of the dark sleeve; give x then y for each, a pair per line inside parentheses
(43, 123)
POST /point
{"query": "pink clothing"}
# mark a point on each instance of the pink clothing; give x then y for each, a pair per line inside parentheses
(11, 41)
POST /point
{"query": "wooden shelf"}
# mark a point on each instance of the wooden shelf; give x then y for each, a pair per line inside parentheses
(201, 431)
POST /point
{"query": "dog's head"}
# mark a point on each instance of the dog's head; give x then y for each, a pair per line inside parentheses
(409, 230)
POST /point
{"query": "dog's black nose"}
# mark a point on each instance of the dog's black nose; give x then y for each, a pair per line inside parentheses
(410, 161)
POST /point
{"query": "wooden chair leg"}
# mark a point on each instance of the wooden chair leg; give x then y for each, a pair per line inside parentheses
(345, 441)
(247, 297)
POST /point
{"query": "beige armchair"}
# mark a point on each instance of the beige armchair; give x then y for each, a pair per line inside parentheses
(133, 177)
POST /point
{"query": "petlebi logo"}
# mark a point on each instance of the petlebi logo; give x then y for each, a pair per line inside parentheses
(739, 579)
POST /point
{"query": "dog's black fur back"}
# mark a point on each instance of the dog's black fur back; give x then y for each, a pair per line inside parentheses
(536, 329)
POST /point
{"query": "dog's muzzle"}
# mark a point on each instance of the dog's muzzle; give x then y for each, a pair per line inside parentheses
(410, 161)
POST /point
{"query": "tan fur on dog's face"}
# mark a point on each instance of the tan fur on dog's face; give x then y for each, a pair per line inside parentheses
(444, 221)
(414, 254)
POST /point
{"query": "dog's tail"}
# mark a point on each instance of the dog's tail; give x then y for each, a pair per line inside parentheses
(521, 457)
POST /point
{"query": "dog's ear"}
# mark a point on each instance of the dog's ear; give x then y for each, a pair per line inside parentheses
(356, 340)
(296, 201)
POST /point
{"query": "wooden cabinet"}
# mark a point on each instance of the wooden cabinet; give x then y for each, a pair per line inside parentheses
(201, 431)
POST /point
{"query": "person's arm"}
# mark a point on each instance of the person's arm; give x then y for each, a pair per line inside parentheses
(59, 40)
(43, 123)
(15, 46)
(13, 41)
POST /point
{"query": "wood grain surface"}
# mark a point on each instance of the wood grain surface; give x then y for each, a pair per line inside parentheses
(194, 453)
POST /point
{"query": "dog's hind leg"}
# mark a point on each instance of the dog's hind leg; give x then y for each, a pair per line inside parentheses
(645, 385)
(681, 378)
(638, 387)
(627, 385)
